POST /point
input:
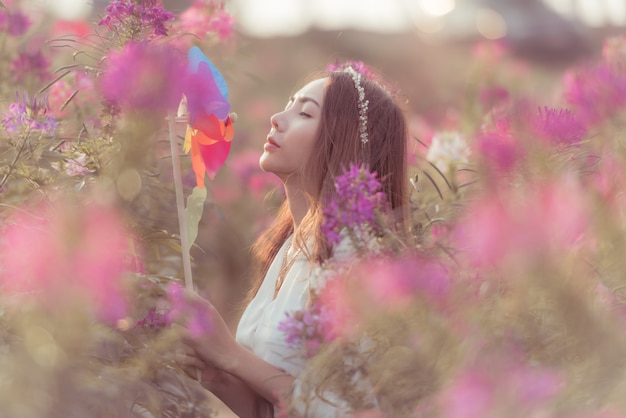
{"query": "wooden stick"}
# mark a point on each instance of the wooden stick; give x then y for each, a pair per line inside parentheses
(180, 203)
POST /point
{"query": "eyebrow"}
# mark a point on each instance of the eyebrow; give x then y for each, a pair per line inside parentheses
(305, 99)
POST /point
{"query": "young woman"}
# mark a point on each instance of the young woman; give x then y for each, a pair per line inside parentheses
(340, 118)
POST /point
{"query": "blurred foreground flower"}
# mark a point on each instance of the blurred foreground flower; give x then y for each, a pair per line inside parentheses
(144, 76)
(193, 313)
(541, 220)
(503, 387)
(62, 255)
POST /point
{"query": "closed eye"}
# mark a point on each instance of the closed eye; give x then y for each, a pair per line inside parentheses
(305, 115)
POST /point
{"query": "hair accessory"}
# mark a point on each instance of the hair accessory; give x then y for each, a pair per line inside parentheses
(363, 104)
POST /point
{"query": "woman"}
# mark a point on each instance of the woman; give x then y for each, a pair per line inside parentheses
(332, 121)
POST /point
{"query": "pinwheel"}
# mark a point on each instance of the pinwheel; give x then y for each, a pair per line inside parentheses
(208, 137)
(210, 128)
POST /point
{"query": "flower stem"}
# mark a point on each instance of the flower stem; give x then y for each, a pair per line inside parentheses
(15, 160)
(180, 203)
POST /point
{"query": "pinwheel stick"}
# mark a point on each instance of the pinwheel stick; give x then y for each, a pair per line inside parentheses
(180, 203)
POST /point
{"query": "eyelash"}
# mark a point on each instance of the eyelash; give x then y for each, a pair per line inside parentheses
(306, 115)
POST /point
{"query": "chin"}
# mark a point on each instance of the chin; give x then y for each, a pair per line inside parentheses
(264, 164)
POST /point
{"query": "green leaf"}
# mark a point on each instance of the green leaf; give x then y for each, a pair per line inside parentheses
(193, 212)
(2, 6)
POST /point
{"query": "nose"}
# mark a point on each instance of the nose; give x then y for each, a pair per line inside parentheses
(277, 122)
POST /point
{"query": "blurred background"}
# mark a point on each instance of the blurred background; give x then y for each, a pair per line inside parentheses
(426, 47)
(440, 54)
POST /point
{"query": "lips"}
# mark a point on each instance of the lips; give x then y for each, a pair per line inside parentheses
(271, 141)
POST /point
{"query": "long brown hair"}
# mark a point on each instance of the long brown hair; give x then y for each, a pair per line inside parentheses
(337, 145)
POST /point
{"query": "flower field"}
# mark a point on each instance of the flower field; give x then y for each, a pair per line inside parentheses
(507, 299)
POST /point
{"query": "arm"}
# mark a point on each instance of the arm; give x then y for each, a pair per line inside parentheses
(232, 391)
(219, 350)
(267, 380)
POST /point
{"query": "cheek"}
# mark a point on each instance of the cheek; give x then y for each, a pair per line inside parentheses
(306, 146)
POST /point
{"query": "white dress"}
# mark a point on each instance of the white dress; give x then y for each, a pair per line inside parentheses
(258, 327)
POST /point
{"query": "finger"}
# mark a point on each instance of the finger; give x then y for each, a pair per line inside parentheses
(189, 361)
(192, 372)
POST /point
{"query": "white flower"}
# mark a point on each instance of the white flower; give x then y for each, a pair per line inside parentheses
(345, 253)
(448, 148)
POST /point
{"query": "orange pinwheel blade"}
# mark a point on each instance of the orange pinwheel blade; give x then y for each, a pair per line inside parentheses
(214, 156)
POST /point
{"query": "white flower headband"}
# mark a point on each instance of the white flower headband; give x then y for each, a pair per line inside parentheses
(363, 104)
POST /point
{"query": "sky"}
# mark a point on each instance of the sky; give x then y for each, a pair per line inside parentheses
(268, 18)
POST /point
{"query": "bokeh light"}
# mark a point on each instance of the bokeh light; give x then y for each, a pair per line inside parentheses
(437, 7)
(490, 24)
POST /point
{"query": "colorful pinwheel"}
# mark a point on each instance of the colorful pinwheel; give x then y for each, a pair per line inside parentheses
(210, 128)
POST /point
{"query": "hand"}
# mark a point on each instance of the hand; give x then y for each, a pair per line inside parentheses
(206, 334)
(209, 376)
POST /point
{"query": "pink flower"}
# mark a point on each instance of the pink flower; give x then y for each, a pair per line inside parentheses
(144, 76)
(392, 284)
(339, 315)
(499, 383)
(483, 231)
(596, 91)
(498, 151)
(493, 96)
(55, 254)
(470, 395)
(222, 24)
(207, 16)
(559, 126)
(195, 315)
(527, 223)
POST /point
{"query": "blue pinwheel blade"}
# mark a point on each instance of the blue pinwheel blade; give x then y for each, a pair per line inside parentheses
(195, 57)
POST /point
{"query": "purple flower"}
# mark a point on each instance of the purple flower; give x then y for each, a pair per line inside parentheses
(560, 126)
(144, 76)
(305, 329)
(154, 320)
(29, 63)
(355, 204)
(136, 17)
(14, 23)
(30, 114)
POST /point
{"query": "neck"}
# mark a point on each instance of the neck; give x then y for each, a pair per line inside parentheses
(298, 202)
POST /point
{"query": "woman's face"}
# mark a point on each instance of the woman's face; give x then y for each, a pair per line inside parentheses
(294, 130)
